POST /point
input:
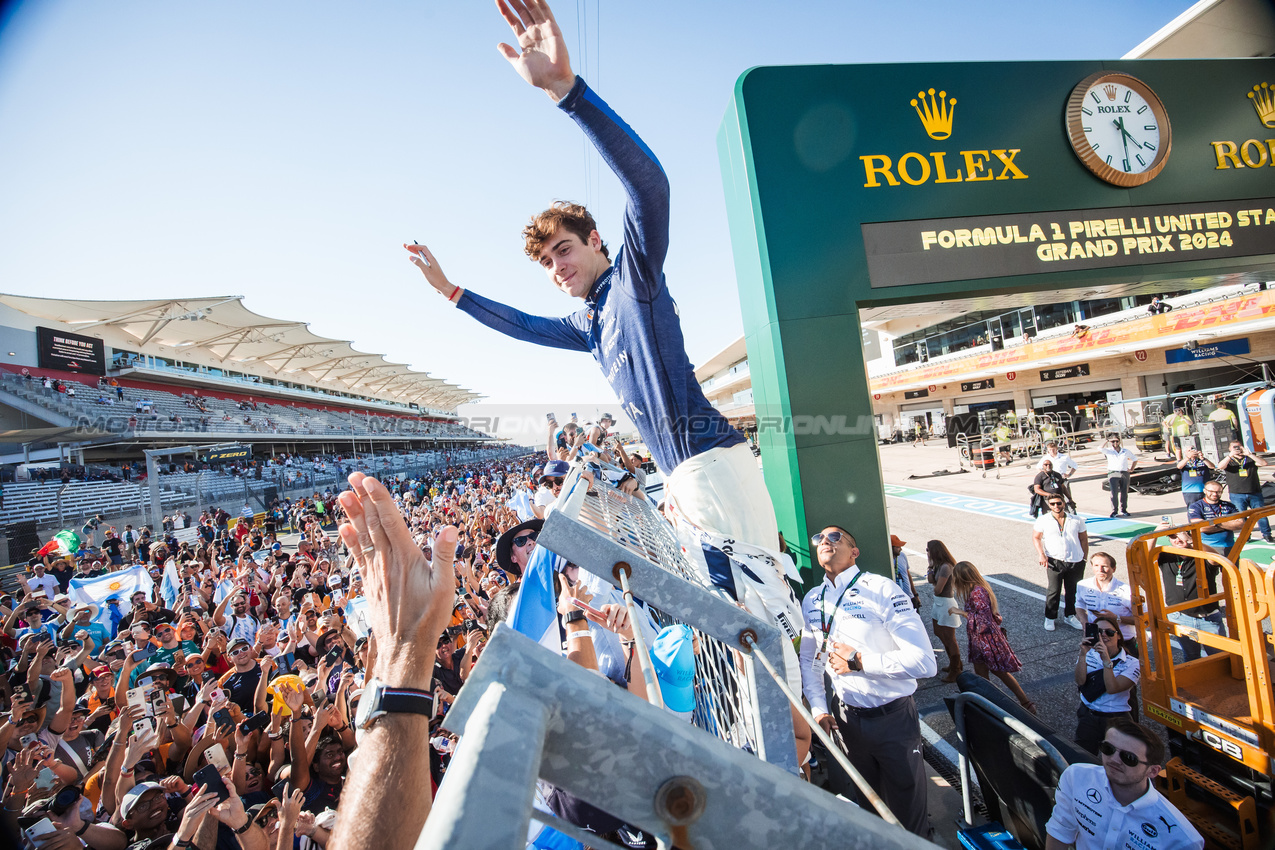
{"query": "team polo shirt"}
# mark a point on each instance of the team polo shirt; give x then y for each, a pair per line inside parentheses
(1086, 814)
(1202, 510)
(1194, 474)
(1122, 665)
(1117, 598)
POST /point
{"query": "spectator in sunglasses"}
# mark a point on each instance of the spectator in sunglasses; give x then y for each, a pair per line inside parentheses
(1104, 674)
(550, 481)
(1114, 804)
(514, 548)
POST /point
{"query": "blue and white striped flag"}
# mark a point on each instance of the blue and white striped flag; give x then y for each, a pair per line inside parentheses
(171, 586)
(534, 611)
(122, 584)
(521, 505)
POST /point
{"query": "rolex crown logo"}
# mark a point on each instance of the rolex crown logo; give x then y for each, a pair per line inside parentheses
(1111, 91)
(1264, 102)
(936, 115)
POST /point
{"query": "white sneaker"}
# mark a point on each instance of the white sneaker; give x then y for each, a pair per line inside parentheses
(1074, 623)
(1049, 625)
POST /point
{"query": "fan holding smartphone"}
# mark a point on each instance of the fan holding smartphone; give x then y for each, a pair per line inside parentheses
(1104, 675)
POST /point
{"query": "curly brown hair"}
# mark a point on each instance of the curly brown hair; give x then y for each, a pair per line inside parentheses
(562, 215)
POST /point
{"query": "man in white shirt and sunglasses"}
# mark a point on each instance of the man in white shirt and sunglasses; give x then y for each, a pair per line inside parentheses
(1114, 806)
(864, 646)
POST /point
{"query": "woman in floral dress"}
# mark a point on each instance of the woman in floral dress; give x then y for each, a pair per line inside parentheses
(989, 648)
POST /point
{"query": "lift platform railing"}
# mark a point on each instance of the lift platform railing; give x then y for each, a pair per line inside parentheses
(527, 714)
(1182, 696)
(607, 532)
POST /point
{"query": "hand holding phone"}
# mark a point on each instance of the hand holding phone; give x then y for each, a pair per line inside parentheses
(1091, 634)
(209, 779)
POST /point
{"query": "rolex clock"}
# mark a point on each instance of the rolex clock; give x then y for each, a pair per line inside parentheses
(1118, 128)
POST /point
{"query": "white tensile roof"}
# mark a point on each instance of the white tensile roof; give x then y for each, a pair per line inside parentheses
(222, 333)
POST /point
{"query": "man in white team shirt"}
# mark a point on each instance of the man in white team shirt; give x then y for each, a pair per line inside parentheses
(861, 634)
(1114, 806)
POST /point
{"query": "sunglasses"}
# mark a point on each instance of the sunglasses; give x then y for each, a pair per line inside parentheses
(831, 536)
(1108, 632)
(237, 651)
(523, 539)
(1130, 759)
(1055, 504)
(552, 482)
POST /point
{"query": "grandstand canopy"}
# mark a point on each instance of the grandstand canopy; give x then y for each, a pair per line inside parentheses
(222, 333)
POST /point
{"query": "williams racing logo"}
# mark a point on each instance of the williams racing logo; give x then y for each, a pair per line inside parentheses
(937, 112)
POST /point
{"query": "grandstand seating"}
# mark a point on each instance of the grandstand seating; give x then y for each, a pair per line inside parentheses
(157, 411)
(81, 499)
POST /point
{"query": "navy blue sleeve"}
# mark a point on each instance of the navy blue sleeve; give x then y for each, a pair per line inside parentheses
(646, 187)
(554, 333)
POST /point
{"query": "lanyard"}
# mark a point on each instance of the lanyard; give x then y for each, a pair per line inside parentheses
(825, 626)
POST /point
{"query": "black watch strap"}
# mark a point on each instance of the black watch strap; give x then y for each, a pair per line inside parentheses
(407, 701)
(573, 617)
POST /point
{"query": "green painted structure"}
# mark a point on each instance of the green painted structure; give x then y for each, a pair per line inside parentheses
(801, 148)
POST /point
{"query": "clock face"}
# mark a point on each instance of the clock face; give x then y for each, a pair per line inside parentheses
(1118, 128)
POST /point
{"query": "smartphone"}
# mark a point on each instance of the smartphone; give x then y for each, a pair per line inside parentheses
(587, 608)
(137, 696)
(549, 417)
(223, 717)
(143, 653)
(216, 695)
(179, 703)
(216, 754)
(40, 829)
(287, 661)
(209, 779)
(1091, 633)
(28, 740)
(21, 693)
(334, 655)
(158, 701)
(1166, 520)
(256, 723)
(143, 727)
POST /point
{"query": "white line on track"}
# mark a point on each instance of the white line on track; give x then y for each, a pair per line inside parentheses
(1024, 591)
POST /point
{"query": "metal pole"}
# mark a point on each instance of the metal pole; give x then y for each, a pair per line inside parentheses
(833, 749)
(653, 693)
(152, 480)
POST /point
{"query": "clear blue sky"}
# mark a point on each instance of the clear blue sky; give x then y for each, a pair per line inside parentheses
(283, 150)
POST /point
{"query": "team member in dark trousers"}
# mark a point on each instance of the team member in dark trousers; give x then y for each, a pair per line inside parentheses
(1120, 465)
(863, 646)
(1244, 484)
(1062, 544)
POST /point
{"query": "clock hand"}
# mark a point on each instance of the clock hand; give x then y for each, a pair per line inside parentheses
(1124, 140)
(1119, 122)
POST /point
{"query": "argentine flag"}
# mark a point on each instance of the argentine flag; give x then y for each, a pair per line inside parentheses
(521, 505)
(122, 584)
(356, 615)
(171, 587)
(534, 612)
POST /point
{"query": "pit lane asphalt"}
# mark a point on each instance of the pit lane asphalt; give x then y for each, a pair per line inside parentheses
(985, 520)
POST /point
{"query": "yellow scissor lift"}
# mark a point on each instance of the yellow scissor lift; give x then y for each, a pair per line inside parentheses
(1219, 710)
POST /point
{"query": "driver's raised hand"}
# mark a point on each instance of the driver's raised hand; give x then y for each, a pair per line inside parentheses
(543, 61)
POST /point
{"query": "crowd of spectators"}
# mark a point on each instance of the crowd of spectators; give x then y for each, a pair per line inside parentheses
(253, 663)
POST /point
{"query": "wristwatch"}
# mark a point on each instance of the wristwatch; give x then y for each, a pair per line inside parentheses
(572, 617)
(379, 700)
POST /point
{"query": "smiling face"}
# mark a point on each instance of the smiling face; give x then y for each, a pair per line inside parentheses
(573, 264)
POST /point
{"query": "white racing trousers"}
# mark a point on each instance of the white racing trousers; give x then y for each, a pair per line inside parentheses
(725, 522)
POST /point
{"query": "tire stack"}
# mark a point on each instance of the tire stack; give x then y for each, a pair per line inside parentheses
(1148, 438)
